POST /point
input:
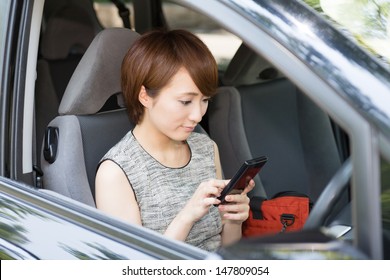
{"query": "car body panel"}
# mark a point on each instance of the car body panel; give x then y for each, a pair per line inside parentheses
(53, 228)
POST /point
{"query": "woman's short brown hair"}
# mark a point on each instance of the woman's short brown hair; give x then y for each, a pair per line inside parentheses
(156, 57)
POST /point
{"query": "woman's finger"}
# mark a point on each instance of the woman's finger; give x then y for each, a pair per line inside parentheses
(249, 187)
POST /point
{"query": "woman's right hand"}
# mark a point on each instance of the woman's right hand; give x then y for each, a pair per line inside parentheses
(196, 207)
(203, 198)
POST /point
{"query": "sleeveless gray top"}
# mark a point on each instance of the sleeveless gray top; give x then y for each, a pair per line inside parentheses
(161, 192)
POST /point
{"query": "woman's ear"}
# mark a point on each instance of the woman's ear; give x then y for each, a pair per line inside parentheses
(143, 97)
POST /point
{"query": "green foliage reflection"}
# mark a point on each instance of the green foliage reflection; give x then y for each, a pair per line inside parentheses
(366, 20)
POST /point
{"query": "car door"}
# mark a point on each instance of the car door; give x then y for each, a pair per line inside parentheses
(294, 46)
(39, 224)
(20, 28)
(5, 82)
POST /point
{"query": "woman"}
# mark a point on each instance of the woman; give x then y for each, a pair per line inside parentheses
(162, 174)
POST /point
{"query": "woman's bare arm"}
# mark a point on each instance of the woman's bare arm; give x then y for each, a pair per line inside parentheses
(114, 194)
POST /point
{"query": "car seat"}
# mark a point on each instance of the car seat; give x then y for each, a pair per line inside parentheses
(76, 140)
(68, 29)
(260, 112)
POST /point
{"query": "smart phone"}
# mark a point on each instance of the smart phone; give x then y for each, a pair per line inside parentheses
(240, 180)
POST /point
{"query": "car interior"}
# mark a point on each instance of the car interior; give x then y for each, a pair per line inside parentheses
(79, 113)
(68, 31)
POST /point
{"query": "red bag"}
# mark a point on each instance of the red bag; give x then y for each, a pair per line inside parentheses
(286, 211)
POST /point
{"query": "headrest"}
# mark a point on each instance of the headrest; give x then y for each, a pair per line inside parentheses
(97, 76)
(247, 67)
(68, 31)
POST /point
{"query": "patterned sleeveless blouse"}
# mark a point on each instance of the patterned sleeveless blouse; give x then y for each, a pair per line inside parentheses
(161, 192)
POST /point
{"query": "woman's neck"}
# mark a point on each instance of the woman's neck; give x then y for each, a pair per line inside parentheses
(165, 150)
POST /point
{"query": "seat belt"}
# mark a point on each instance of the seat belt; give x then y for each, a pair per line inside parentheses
(123, 12)
(37, 170)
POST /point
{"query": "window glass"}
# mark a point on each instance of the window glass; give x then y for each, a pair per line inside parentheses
(385, 201)
(108, 13)
(4, 7)
(365, 21)
(221, 43)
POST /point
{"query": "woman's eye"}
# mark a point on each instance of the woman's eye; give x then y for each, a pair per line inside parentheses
(206, 100)
(185, 102)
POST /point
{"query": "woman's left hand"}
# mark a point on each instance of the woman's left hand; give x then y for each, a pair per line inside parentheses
(236, 208)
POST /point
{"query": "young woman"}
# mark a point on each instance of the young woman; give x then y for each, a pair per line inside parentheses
(162, 174)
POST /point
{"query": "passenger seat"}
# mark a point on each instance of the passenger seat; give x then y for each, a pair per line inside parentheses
(66, 34)
(77, 139)
(259, 112)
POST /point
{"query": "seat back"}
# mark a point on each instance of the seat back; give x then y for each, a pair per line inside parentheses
(76, 140)
(66, 35)
(265, 114)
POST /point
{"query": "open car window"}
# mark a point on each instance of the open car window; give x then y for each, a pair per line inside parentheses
(110, 15)
(221, 43)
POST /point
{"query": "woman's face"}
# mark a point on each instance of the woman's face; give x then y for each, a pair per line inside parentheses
(178, 107)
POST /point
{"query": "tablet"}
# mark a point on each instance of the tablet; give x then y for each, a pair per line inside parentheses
(240, 180)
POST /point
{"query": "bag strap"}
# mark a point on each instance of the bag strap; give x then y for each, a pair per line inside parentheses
(289, 193)
(294, 193)
(255, 205)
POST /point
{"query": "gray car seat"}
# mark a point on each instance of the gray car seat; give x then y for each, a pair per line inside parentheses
(76, 140)
(69, 27)
(259, 112)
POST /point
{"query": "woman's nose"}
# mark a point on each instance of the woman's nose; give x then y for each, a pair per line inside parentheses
(197, 113)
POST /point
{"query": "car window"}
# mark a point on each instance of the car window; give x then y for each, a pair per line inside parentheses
(108, 13)
(221, 43)
(4, 6)
(367, 23)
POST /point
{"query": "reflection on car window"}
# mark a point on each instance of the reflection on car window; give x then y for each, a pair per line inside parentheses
(221, 43)
(366, 21)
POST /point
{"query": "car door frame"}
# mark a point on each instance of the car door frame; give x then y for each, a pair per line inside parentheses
(279, 50)
(18, 78)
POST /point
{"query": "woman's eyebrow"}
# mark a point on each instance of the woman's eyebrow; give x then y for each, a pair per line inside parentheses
(190, 93)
